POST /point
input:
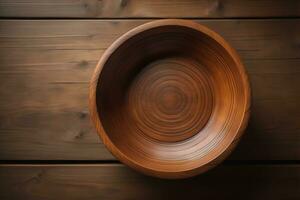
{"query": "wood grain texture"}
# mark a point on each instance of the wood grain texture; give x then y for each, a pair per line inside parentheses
(149, 9)
(45, 67)
(175, 109)
(119, 182)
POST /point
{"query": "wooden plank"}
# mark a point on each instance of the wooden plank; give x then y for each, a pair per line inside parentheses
(119, 182)
(45, 67)
(149, 9)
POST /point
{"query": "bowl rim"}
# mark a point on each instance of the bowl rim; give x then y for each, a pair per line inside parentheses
(94, 113)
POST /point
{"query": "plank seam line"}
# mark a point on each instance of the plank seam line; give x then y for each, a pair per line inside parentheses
(149, 18)
(87, 162)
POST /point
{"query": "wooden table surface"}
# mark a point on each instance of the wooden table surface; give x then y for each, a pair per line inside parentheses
(48, 146)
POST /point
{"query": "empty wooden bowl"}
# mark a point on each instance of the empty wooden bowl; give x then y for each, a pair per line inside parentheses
(170, 98)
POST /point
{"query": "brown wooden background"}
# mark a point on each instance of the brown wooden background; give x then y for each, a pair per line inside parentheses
(50, 150)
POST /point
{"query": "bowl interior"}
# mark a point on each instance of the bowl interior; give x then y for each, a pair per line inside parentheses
(171, 98)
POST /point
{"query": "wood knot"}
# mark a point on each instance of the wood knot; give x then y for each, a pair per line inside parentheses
(83, 63)
(216, 7)
(124, 3)
(82, 115)
(80, 135)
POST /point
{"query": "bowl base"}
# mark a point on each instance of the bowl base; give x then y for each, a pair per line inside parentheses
(171, 99)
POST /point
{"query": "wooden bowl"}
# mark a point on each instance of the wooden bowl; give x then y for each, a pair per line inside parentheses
(170, 98)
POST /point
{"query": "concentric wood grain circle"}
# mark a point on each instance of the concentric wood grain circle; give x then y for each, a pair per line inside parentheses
(170, 98)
